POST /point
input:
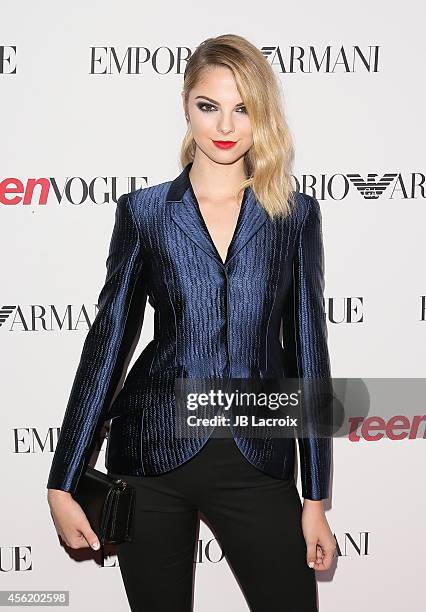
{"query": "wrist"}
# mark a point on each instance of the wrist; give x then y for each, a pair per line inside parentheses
(313, 503)
(57, 493)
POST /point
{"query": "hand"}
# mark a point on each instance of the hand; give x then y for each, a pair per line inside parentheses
(70, 521)
(320, 542)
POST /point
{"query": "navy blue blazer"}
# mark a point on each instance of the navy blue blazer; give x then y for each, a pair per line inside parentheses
(212, 318)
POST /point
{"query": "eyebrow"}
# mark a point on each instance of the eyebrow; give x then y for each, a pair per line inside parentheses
(215, 101)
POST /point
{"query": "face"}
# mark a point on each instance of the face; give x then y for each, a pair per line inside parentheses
(216, 113)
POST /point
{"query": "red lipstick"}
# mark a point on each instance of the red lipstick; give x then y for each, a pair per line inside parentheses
(225, 144)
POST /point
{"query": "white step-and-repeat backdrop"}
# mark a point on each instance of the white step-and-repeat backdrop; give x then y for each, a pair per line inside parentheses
(91, 109)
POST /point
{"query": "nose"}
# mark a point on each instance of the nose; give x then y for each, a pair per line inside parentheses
(225, 125)
(226, 131)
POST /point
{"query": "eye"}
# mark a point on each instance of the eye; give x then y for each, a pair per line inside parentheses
(205, 107)
(204, 110)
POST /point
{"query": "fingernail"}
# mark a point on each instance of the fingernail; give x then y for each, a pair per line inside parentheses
(311, 564)
(95, 545)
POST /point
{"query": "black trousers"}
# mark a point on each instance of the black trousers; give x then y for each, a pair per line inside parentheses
(255, 518)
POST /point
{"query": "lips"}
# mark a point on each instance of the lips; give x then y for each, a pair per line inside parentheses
(224, 144)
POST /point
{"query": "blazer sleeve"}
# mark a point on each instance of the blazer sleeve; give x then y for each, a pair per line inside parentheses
(121, 304)
(310, 355)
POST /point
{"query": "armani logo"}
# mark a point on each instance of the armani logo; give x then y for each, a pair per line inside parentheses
(327, 59)
(371, 188)
(210, 551)
(350, 545)
(38, 317)
(5, 312)
(337, 186)
(137, 60)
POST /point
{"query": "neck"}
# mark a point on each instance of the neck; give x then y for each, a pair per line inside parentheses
(215, 181)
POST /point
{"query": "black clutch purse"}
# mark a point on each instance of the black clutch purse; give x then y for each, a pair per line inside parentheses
(109, 505)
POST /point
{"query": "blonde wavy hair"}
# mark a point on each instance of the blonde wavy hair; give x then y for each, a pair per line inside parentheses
(268, 163)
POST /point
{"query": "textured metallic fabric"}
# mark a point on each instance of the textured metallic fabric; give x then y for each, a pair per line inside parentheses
(212, 319)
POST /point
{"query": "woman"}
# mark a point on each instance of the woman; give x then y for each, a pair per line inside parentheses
(225, 252)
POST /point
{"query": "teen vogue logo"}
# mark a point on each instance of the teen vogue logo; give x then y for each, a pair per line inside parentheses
(74, 190)
(345, 310)
(8, 59)
(293, 59)
(397, 427)
(16, 558)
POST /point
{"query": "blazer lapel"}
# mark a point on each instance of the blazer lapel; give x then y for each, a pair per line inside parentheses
(186, 215)
(185, 212)
(252, 217)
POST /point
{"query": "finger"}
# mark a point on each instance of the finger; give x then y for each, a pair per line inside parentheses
(328, 556)
(311, 554)
(77, 541)
(325, 562)
(91, 537)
